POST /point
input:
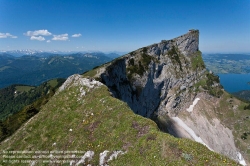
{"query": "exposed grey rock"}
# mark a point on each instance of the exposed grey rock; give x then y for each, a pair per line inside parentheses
(187, 44)
(183, 87)
(191, 84)
(76, 80)
(150, 92)
(156, 81)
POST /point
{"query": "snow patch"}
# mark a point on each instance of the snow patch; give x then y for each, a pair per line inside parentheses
(190, 131)
(241, 159)
(191, 107)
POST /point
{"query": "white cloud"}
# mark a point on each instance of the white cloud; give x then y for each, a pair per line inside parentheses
(40, 38)
(6, 35)
(43, 32)
(76, 35)
(48, 41)
(62, 37)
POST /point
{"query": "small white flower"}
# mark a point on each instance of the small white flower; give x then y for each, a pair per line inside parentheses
(70, 129)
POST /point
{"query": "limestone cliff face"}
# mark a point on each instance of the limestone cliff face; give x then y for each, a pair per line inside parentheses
(188, 44)
(161, 81)
(156, 78)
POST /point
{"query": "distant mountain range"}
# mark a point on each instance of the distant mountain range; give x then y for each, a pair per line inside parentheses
(19, 53)
(34, 67)
(94, 114)
(41, 53)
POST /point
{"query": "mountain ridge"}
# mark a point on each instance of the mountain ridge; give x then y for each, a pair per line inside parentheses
(156, 53)
(87, 120)
(41, 53)
(160, 82)
(34, 70)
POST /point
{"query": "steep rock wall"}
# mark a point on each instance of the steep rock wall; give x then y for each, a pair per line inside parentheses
(156, 78)
(187, 44)
(158, 82)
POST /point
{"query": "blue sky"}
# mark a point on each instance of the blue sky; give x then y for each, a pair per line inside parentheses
(122, 25)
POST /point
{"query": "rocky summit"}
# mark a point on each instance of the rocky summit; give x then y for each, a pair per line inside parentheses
(155, 79)
(157, 105)
(161, 81)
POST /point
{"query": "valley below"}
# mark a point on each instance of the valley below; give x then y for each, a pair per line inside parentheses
(35, 69)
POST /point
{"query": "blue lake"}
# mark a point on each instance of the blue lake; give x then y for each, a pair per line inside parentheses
(235, 82)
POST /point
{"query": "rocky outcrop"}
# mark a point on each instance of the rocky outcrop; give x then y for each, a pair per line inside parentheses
(188, 44)
(78, 80)
(159, 82)
(156, 78)
(207, 127)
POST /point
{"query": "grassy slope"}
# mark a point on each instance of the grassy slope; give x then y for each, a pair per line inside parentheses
(100, 122)
(231, 112)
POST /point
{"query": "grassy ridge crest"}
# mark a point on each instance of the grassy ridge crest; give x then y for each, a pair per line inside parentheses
(99, 122)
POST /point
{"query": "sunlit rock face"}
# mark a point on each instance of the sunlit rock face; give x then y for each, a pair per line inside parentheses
(156, 78)
(158, 82)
